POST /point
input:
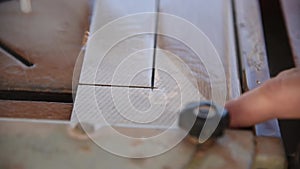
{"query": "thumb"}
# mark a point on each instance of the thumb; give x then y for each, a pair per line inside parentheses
(251, 108)
(276, 98)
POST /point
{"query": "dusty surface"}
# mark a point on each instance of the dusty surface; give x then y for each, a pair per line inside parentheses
(235, 150)
(44, 145)
(269, 153)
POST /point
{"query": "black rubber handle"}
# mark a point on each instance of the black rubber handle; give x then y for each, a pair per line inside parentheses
(196, 115)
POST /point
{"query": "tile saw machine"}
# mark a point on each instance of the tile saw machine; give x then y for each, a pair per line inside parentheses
(136, 54)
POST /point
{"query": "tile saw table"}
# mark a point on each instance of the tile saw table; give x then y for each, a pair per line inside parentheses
(145, 66)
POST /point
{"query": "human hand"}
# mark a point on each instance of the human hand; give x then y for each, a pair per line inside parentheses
(278, 97)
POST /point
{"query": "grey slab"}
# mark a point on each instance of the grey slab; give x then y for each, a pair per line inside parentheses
(207, 22)
(120, 31)
(131, 107)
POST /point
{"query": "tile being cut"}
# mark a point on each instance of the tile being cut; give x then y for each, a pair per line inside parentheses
(190, 31)
(179, 75)
(120, 32)
(131, 107)
(139, 107)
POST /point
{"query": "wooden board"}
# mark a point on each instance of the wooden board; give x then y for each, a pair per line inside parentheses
(35, 110)
(114, 53)
(49, 37)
